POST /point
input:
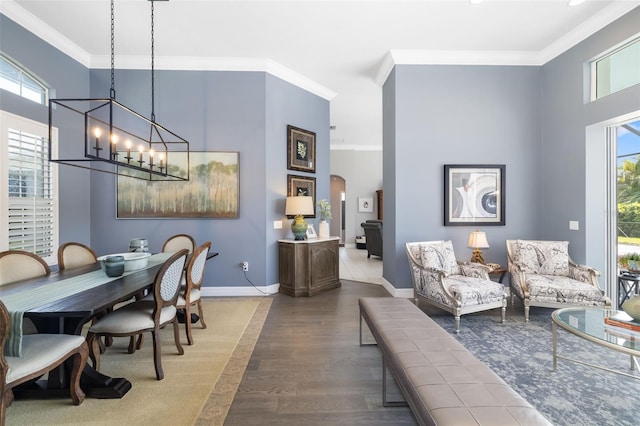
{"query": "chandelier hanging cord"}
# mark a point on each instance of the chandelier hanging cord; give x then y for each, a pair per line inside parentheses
(153, 111)
(112, 92)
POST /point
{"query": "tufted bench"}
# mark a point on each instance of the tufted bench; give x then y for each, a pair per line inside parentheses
(441, 381)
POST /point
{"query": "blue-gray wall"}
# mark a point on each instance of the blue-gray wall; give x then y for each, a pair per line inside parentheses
(70, 79)
(573, 169)
(459, 115)
(535, 120)
(246, 112)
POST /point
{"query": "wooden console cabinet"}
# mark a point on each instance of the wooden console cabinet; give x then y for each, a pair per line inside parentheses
(309, 267)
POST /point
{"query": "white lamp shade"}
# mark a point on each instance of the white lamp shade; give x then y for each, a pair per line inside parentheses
(299, 205)
(478, 239)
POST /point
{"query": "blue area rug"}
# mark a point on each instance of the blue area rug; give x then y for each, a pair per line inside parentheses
(521, 354)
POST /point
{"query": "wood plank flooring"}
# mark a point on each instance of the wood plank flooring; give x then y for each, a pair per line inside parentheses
(308, 368)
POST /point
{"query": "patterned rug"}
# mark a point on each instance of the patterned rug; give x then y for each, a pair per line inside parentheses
(521, 354)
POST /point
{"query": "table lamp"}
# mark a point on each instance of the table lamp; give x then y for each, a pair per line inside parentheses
(299, 206)
(477, 241)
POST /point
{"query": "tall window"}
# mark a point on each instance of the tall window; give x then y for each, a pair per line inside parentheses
(616, 70)
(16, 80)
(28, 196)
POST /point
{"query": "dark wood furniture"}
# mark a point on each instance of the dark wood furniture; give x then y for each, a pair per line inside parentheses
(41, 353)
(309, 267)
(145, 315)
(627, 286)
(379, 196)
(69, 314)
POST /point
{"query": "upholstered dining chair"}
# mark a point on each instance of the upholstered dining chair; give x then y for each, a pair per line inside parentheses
(543, 274)
(191, 294)
(456, 287)
(73, 255)
(17, 265)
(41, 353)
(145, 315)
(179, 242)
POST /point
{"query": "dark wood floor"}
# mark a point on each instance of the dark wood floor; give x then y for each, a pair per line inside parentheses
(308, 368)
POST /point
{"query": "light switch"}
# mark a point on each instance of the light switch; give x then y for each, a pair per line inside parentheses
(574, 225)
(277, 224)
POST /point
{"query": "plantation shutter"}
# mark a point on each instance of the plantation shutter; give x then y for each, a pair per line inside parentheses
(28, 198)
(31, 206)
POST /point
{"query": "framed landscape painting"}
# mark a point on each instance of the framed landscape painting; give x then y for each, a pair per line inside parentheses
(212, 191)
(474, 195)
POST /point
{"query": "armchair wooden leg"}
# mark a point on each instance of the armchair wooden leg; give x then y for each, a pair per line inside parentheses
(79, 362)
(457, 317)
(176, 336)
(204, 324)
(187, 324)
(157, 355)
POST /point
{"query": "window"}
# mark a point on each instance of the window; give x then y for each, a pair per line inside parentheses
(616, 70)
(28, 196)
(15, 80)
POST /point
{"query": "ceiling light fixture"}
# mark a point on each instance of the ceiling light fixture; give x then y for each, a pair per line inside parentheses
(112, 131)
(575, 2)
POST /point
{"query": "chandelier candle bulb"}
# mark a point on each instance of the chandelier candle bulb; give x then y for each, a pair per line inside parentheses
(151, 158)
(161, 160)
(128, 145)
(97, 133)
(114, 146)
(141, 149)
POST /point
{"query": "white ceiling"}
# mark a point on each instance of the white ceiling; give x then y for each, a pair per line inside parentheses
(341, 50)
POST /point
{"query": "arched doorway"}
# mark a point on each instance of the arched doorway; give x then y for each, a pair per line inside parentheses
(338, 197)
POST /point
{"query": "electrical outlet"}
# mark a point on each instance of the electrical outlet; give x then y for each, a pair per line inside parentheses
(245, 266)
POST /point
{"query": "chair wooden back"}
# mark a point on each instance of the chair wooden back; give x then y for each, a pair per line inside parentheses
(4, 334)
(73, 255)
(167, 282)
(195, 268)
(17, 265)
(179, 242)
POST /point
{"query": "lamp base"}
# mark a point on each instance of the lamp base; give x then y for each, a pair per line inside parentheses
(299, 228)
(476, 257)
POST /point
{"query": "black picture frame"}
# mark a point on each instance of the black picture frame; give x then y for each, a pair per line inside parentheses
(301, 149)
(302, 185)
(474, 195)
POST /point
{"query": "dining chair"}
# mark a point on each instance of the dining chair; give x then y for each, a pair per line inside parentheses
(191, 294)
(73, 255)
(179, 242)
(145, 315)
(17, 265)
(41, 353)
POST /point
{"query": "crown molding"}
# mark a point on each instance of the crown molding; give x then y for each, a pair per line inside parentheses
(539, 58)
(41, 29)
(187, 63)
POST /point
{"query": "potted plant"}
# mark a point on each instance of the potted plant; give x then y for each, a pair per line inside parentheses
(325, 215)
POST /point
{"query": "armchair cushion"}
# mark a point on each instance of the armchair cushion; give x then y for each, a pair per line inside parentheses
(558, 289)
(542, 257)
(472, 291)
(439, 256)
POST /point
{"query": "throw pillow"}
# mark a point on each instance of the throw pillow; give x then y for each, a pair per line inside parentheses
(525, 256)
(450, 264)
(431, 256)
(554, 257)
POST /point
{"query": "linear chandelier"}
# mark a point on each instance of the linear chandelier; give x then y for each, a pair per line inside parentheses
(106, 136)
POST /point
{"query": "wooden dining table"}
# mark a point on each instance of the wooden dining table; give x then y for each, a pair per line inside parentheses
(69, 313)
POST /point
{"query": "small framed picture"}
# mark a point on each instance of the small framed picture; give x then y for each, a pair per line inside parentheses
(302, 185)
(365, 204)
(301, 149)
(311, 232)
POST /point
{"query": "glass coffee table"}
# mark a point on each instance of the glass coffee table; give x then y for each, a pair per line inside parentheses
(588, 323)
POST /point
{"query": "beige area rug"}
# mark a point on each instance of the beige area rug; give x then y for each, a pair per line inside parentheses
(198, 387)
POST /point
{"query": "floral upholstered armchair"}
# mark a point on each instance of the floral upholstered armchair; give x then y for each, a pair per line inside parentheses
(543, 274)
(460, 288)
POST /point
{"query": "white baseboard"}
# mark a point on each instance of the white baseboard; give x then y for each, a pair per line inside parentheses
(240, 291)
(269, 290)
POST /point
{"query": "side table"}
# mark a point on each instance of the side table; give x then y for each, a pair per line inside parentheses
(627, 286)
(500, 272)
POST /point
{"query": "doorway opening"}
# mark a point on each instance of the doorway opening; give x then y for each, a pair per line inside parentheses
(338, 197)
